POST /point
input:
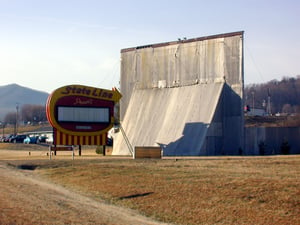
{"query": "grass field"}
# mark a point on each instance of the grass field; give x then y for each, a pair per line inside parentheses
(216, 190)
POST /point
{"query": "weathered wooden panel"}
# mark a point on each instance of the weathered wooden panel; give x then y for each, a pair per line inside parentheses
(147, 152)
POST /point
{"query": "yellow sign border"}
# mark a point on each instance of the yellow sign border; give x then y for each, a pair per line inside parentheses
(79, 90)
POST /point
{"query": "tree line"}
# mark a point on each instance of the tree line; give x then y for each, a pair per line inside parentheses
(280, 96)
(29, 114)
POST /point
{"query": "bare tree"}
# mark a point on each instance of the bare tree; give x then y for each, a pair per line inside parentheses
(287, 108)
(10, 118)
(33, 113)
(284, 95)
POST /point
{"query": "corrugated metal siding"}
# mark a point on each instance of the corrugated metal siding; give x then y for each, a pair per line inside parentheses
(184, 115)
(181, 64)
(272, 137)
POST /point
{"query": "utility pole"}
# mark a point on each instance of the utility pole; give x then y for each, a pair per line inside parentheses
(17, 118)
(253, 100)
(269, 103)
(2, 126)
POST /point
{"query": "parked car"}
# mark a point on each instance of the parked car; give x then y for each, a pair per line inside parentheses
(27, 140)
(31, 140)
(42, 139)
(18, 138)
(2, 139)
(49, 140)
(7, 138)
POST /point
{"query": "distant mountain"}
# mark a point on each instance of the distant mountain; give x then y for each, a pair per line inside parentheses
(13, 94)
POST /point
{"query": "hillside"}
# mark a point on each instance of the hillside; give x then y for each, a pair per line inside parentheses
(14, 94)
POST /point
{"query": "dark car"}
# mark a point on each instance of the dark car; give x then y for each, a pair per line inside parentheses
(18, 139)
(34, 139)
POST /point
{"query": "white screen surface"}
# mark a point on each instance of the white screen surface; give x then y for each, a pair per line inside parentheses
(82, 114)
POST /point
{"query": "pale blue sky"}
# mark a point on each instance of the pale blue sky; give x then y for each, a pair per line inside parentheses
(48, 44)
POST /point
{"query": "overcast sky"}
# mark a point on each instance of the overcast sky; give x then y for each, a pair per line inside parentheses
(46, 44)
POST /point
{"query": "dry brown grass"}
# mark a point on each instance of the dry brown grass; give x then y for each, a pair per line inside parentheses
(254, 190)
(22, 147)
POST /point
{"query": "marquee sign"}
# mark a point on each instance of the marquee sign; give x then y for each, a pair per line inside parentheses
(80, 112)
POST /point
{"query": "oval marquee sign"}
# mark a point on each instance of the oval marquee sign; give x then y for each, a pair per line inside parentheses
(82, 110)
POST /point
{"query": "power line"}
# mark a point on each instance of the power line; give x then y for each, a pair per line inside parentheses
(255, 65)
